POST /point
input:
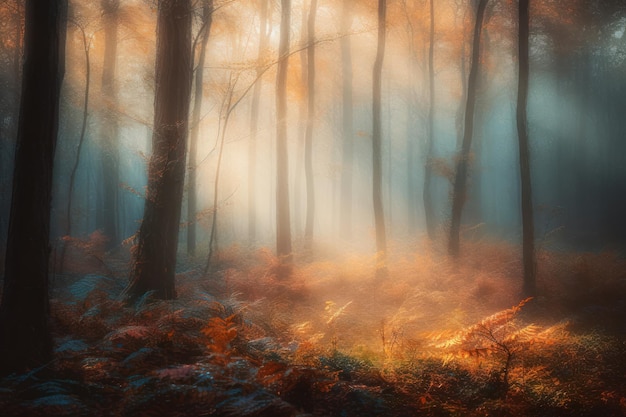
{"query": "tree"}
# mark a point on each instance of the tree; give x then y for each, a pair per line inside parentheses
(110, 157)
(528, 229)
(379, 216)
(429, 212)
(9, 96)
(81, 139)
(283, 227)
(347, 121)
(225, 112)
(25, 340)
(254, 120)
(462, 165)
(155, 252)
(203, 35)
(308, 138)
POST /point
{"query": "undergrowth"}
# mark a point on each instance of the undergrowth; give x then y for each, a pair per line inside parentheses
(433, 339)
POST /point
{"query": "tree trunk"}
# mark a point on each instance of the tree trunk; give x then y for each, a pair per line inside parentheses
(7, 136)
(296, 187)
(155, 253)
(528, 230)
(110, 156)
(207, 11)
(460, 179)
(254, 122)
(429, 212)
(379, 216)
(79, 147)
(347, 124)
(25, 340)
(308, 137)
(225, 115)
(283, 226)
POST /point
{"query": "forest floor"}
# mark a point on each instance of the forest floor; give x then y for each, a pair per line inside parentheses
(433, 338)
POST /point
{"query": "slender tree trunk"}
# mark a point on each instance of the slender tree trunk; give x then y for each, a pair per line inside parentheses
(254, 121)
(528, 229)
(283, 226)
(460, 113)
(310, 123)
(347, 124)
(226, 110)
(25, 340)
(155, 253)
(302, 114)
(379, 216)
(410, 126)
(81, 140)
(462, 166)
(207, 11)
(429, 211)
(110, 157)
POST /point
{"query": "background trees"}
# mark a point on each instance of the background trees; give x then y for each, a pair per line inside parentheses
(283, 226)
(109, 205)
(310, 126)
(528, 225)
(198, 69)
(426, 51)
(459, 194)
(379, 216)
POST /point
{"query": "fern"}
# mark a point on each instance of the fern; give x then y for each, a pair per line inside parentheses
(221, 331)
(498, 334)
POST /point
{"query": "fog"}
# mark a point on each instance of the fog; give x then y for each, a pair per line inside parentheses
(338, 306)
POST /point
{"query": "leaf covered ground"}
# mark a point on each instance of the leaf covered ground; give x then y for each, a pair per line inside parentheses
(434, 338)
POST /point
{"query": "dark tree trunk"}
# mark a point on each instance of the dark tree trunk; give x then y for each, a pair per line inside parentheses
(207, 11)
(25, 340)
(254, 122)
(308, 137)
(459, 192)
(7, 135)
(429, 212)
(155, 253)
(347, 124)
(379, 216)
(528, 229)
(283, 226)
(110, 156)
(79, 147)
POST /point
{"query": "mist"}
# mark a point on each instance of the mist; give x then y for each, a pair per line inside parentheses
(365, 209)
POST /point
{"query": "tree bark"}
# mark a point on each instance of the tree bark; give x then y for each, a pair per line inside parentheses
(110, 156)
(155, 253)
(347, 124)
(254, 122)
(528, 229)
(283, 226)
(207, 11)
(462, 165)
(379, 216)
(25, 340)
(429, 212)
(308, 137)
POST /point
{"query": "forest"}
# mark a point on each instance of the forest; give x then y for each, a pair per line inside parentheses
(268, 208)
